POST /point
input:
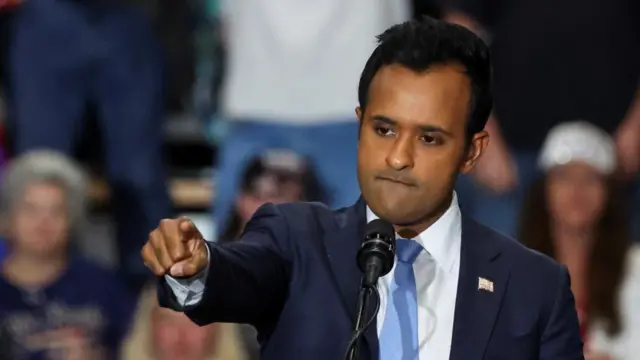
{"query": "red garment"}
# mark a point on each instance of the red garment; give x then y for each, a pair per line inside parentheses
(8, 4)
(582, 320)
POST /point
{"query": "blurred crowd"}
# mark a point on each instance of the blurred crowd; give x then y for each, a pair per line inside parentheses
(275, 85)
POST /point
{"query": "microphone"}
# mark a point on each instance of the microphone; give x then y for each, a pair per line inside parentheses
(377, 253)
(375, 258)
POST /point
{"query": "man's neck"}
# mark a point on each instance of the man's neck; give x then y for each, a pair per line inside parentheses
(33, 271)
(411, 231)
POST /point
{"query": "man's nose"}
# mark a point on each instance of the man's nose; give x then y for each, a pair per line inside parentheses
(401, 154)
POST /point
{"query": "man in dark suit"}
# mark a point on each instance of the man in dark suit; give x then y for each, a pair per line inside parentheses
(458, 289)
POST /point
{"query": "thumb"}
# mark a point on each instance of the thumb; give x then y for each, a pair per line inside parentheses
(186, 268)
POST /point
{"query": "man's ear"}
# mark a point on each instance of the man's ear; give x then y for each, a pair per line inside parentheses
(478, 144)
(360, 116)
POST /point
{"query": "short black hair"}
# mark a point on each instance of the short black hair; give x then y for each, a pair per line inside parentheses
(420, 44)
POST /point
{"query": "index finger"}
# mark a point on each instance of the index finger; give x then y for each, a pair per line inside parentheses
(173, 239)
(188, 229)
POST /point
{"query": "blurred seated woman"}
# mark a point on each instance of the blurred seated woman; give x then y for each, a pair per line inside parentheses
(54, 304)
(276, 177)
(163, 334)
(576, 215)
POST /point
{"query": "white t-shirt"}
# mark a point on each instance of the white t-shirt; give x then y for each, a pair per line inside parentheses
(626, 344)
(299, 61)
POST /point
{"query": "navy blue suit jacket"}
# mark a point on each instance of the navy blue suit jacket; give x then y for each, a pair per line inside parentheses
(294, 277)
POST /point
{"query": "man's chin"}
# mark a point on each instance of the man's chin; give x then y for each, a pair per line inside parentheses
(396, 215)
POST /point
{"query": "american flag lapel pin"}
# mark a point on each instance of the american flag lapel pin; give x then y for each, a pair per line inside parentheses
(485, 284)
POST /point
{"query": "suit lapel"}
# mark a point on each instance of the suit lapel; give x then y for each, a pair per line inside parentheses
(481, 286)
(342, 245)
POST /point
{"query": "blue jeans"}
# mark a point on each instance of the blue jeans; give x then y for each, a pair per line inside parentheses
(499, 212)
(331, 148)
(66, 54)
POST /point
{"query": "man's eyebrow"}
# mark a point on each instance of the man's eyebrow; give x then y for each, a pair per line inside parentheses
(426, 128)
(384, 119)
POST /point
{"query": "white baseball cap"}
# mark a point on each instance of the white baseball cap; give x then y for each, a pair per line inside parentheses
(578, 141)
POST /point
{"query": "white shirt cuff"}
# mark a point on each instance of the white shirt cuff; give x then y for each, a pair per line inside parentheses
(189, 291)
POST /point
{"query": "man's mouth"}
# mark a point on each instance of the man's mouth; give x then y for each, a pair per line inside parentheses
(395, 180)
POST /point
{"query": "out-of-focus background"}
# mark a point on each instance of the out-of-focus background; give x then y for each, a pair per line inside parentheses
(116, 114)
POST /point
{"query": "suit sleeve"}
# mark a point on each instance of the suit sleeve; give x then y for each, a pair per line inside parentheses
(247, 280)
(561, 338)
(6, 350)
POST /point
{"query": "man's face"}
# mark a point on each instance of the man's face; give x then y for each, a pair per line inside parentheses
(412, 141)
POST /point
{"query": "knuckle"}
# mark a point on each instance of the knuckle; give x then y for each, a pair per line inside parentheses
(158, 241)
(166, 224)
(177, 253)
(147, 252)
(157, 230)
(158, 271)
(163, 267)
(174, 246)
(151, 237)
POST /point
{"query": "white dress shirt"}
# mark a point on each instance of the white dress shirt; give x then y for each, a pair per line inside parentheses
(436, 271)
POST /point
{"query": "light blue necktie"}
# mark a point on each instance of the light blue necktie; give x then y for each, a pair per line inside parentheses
(399, 335)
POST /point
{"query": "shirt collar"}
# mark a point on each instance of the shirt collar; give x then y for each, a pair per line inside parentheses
(443, 238)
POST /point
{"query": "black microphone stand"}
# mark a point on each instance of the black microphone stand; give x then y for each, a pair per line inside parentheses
(361, 325)
(363, 297)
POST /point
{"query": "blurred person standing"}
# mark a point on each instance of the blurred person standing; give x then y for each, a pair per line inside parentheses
(553, 60)
(163, 334)
(291, 82)
(54, 304)
(576, 215)
(64, 56)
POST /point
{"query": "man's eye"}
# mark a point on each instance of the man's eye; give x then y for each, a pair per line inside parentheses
(429, 140)
(384, 131)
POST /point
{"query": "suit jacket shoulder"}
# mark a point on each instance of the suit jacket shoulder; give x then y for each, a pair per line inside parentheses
(529, 299)
(518, 256)
(534, 277)
(291, 224)
(303, 214)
